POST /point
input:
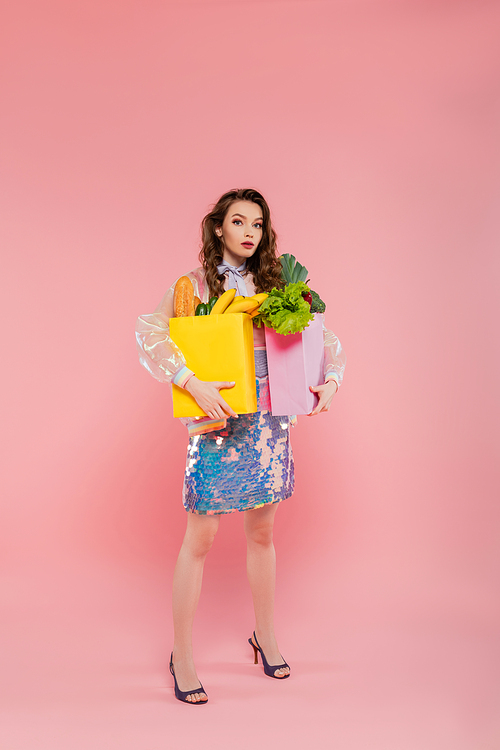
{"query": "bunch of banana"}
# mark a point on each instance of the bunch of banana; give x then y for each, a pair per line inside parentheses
(228, 302)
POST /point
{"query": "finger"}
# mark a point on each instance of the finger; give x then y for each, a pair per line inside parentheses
(223, 405)
(322, 406)
(315, 388)
(223, 414)
(217, 411)
(223, 384)
(215, 414)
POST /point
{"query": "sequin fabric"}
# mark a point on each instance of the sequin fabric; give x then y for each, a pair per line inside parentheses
(246, 465)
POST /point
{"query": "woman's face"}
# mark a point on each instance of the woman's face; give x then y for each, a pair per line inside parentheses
(241, 231)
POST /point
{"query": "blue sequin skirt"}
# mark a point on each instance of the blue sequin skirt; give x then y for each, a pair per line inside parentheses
(247, 464)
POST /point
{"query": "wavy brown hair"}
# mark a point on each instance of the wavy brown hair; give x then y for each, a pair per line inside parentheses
(264, 265)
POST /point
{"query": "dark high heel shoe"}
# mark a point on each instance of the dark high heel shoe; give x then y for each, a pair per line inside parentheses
(179, 694)
(268, 668)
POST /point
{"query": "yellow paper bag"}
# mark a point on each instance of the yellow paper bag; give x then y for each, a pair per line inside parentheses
(216, 347)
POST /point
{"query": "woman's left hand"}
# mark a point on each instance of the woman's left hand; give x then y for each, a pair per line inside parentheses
(326, 393)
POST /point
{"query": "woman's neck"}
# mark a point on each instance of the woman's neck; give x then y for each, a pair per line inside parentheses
(232, 259)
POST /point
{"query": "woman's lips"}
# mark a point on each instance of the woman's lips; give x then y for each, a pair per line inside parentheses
(247, 244)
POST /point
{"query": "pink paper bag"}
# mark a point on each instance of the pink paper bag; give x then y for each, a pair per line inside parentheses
(295, 362)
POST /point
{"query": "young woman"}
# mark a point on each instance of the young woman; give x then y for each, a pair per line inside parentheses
(234, 462)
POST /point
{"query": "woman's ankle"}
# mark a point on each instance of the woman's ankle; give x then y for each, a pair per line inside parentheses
(265, 634)
(183, 654)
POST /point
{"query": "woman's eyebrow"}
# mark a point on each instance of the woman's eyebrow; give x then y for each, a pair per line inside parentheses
(259, 218)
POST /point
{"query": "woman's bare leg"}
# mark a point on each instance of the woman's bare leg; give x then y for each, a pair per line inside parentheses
(261, 571)
(200, 534)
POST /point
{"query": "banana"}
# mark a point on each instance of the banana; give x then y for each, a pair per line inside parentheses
(223, 302)
(238, 298)
(260, 297)
(246, 305)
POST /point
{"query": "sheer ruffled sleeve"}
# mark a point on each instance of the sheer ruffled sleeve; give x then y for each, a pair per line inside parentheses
(335, 358)
(158, 353)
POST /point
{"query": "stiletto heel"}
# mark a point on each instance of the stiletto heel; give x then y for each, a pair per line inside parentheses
(255, 651)
(268, 668)
(181, 695)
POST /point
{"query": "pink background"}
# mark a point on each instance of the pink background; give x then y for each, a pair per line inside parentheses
(373, 130)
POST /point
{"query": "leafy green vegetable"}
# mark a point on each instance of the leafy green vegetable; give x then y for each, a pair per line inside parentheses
(286, 310)
(318, 306)
(291, 270)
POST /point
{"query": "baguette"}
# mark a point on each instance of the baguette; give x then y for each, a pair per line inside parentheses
(183, 297)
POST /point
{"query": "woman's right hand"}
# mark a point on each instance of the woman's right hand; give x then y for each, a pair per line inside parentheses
(207, 396)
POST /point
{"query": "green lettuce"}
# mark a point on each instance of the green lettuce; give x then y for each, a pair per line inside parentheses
(286, 310)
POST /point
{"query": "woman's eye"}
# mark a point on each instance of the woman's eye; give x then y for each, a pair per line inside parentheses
(257, 223)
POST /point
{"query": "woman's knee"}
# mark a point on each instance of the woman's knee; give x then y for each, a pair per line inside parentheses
(259, 530)
(200, 533)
